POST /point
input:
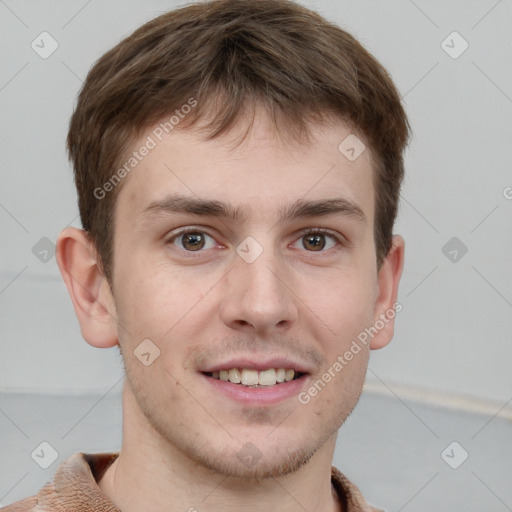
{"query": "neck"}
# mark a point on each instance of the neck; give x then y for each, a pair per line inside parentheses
(151, 474)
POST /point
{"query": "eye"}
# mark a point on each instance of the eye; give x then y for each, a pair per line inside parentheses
(192, 240)
(318, 240)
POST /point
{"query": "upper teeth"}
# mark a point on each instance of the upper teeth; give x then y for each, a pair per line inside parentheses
(254, 377)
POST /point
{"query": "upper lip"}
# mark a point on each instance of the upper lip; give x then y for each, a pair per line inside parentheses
(253, 364)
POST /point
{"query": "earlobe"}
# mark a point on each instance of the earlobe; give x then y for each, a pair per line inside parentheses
(386, 304)
(88, 288)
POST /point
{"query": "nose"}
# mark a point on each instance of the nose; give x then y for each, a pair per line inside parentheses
(259, 297)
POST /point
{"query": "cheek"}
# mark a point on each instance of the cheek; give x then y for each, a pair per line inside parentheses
(346, 304)
(152, 300)
(165, 307)
(145, 309)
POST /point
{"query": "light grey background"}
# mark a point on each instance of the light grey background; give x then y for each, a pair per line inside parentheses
(454, 331)
(453, 343)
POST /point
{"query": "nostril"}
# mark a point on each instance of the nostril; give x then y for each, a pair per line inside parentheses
(243, 323)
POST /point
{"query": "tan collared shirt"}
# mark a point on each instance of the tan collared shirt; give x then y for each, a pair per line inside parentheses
(75, 489)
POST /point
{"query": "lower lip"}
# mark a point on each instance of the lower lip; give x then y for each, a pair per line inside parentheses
(258, 396)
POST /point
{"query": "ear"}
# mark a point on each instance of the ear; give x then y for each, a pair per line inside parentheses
(87, 287)
(386, 305)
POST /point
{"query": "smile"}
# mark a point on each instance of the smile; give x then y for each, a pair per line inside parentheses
(255, 378)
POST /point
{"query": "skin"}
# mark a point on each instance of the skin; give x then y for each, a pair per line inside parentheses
(180, 437)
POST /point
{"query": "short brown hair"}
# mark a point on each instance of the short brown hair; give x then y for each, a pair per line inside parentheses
(233, 54)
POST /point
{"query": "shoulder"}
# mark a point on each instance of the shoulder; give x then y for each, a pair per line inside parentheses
(350, 494)
(74, 486)
(21, 506)
(30, 504)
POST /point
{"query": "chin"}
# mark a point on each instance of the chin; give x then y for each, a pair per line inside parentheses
(252, 465)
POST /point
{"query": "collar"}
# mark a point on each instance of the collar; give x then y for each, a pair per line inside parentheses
(75, 482)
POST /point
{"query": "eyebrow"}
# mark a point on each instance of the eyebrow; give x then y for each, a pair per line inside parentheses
(177, 203)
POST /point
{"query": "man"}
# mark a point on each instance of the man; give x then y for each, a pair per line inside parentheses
(238, 167)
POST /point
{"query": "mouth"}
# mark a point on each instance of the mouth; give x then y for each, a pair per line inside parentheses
(252, 378)
(255, 388)
(254, 381)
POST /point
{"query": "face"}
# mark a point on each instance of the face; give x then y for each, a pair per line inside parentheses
(236, 263)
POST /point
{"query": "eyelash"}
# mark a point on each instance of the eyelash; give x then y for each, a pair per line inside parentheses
(339, 239)
(186, 231)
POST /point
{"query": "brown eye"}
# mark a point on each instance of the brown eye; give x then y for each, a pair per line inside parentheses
(314, 242)
(193, 241)
(318, 240)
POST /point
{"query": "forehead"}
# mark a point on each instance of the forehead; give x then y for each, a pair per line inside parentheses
(257, 176)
